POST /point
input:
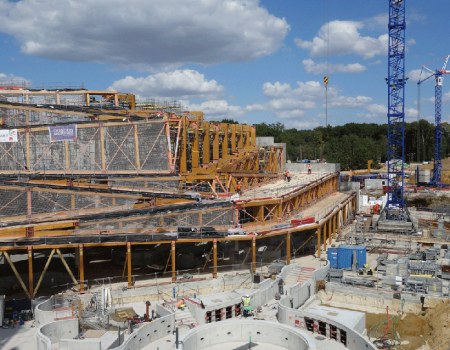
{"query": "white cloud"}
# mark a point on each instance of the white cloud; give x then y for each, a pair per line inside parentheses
(142, 34)
(410, 42)
(345, 39)
(216, 109)
(374, 111)
(13, 80)
(377, 62)
(446, 97)
(414, 76)
(411, 113)
(288, 103)
(309, 91)
(179, 84)
(302, 124)
(349, 102)
(319, 68)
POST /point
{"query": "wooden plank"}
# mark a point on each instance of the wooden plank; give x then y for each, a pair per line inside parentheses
(16, 273)
(68, 268)
(44, 271)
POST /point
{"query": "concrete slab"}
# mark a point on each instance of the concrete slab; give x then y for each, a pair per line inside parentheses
(19, 338)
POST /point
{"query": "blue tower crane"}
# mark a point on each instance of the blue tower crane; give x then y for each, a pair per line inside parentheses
(396, 110)
(395, 214)
(439, 80)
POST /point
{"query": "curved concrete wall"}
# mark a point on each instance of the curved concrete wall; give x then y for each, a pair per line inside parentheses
(205, 336)
(51, 309)
(151, 332)
(288, 313)
(53, 332)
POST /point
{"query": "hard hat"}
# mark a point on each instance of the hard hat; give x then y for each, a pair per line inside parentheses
(247, 296)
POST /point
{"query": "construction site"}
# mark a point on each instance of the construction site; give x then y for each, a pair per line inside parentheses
(132, 225)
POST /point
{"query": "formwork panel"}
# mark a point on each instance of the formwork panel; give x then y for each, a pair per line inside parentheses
(107, 148)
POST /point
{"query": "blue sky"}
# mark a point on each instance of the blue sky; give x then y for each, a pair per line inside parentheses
(253, 61)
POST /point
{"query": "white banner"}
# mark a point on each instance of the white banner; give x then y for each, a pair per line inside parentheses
(8, 135)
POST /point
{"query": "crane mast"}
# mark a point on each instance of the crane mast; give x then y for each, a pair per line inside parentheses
(439, 80)
(396, 110)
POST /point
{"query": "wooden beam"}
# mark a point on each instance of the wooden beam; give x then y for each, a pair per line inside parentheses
(334, 224)
(16, 273)
(129, 264)
(318, 242)
(183, 146)
(215, 258)
(68, 268)
(325, 237)
(174, 275)
(195, 149)
(330, 222)
(206, 144)
(44, 271)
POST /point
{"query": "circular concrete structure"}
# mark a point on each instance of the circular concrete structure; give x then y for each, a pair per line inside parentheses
(226, 335)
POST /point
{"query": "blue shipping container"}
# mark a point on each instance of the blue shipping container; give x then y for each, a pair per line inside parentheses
(345, 256)
(333, 257)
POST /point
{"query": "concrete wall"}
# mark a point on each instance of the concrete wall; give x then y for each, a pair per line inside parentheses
(262, 332)
(270, 141)
(315, 167)
(49, 309)
(342, 294)
(55, 331)
(209, 286)
(150, 332)
(288, 312)
(266, 292)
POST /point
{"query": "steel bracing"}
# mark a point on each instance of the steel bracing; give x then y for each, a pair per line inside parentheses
(396, 105)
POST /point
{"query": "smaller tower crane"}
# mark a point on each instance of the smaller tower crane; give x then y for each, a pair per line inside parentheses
(439, 80)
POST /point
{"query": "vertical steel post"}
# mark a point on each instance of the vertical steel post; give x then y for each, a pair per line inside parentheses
(129, 263)
(30, 272)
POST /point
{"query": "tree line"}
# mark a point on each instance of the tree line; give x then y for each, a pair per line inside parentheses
(353, 144)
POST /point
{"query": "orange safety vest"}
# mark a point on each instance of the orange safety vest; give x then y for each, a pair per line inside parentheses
(309, 166)
(239, 186)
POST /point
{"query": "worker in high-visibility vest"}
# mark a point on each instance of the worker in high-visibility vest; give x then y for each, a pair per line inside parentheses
(309, 169)
(289, 176)
(285, 175)
(246, 302)
(239, 188)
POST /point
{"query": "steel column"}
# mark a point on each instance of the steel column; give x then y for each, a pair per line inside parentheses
(215, 258)
(130, 282)
(174, 274)
(30, 271)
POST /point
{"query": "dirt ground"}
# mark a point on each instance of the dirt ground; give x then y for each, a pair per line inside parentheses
(414, 331)
(438, 319)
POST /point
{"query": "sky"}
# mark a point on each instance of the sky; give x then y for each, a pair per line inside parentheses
(248, 60)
